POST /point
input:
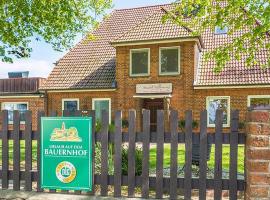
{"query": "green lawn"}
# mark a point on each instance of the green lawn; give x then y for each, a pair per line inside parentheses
(22, 153)
(210, 163)
(181, 156)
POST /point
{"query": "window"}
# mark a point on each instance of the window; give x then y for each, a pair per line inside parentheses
(70, 104)
(140, 62)
(10, 107)
(221, 30)
(259, 100)
(101, 104)
(215, 103)
(169, 60)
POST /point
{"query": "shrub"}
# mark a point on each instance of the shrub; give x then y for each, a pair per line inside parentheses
(138, 153)
(182, 123)
(241, 125)
(98, 159)
(111, 128)
(99, 126)
(138, 161)
(124, 123)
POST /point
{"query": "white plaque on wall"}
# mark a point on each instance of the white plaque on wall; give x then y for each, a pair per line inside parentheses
(159, 88)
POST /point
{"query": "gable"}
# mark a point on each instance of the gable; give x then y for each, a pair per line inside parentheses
(91, 63)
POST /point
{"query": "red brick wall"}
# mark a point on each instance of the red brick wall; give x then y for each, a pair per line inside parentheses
(238, 99)
(258, 155)
(182, 84)
(34, 104)
(184, 95)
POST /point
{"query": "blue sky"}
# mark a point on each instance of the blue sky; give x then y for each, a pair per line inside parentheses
(43, 56)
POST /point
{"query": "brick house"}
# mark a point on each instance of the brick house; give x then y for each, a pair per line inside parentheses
(136, 62)
(20, 92)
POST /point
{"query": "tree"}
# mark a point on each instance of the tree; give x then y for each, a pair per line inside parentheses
(57, 22)
(250, 15)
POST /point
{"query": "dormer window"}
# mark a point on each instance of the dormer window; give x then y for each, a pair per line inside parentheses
(139, 62)
(221, 30)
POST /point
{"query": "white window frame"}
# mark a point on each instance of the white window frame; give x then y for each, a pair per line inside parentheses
(2, 108)
(256, 97)
(228, 112)
(130, 62)
(223, 33)
(70, 99)
(103, 99)
(179, 62)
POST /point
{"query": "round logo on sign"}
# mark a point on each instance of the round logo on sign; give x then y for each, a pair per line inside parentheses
(65, 172)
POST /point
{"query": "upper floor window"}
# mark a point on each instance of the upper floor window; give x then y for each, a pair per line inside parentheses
(140, 62)
(215, 103)
(70, 104)
(11, 106)
(221, 30)
(169, 60)
(259, 100)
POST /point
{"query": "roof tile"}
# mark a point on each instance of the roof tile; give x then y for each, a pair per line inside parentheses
(91, 64)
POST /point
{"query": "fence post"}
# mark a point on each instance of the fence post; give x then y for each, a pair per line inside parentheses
(16, 150)
(40, 114)
(28, 151)
(118, 154)
(258, 154)
(5, 150)
(131, 152)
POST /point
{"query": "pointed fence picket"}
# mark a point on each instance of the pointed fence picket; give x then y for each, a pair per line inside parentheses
(161, 185)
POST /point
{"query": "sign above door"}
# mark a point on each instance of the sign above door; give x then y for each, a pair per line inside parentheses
(159, 88)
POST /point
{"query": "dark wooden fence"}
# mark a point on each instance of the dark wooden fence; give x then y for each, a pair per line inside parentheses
(158, 184)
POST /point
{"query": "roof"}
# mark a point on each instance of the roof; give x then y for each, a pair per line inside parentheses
(152, 28)
(91, 63)
(236, 72)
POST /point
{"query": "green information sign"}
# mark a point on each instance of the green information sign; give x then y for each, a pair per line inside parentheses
(66, 153)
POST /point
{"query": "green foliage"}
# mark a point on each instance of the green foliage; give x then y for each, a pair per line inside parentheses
(125, 123)
(182, 123)
(56, 22)
(241, 125)
(99, 126)
(138, 161)
(250, 15)
(98, 159)
(138, 154)
(111, 128)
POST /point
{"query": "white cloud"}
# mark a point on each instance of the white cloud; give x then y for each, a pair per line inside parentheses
(36, 68)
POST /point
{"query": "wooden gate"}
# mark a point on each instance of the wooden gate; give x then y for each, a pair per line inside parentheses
(21, 168)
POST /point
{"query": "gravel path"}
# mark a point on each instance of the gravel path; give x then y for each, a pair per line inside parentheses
(12, 195)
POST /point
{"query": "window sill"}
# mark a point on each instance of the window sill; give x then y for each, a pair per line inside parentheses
(222, 34)
(213, 126)
(11, 123)
(169, 74)
(140, 75)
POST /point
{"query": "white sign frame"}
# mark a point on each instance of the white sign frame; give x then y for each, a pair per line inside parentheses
(157, 88)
